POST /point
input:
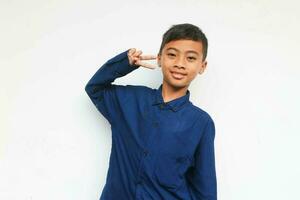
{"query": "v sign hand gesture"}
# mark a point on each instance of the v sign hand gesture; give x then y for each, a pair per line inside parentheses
(135, 58)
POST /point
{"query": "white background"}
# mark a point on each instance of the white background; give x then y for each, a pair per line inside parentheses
(54, 144)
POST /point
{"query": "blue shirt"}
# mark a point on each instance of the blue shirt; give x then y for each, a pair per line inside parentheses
(160, 150)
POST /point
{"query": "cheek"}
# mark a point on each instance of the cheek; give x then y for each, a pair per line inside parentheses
(166, 65)
(167, 61)
(196, 68)
(164, 69)
(193, 72)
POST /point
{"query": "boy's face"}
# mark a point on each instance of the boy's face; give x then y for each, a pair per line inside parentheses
(181, 61)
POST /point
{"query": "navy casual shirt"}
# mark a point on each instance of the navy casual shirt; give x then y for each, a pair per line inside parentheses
(160, 150)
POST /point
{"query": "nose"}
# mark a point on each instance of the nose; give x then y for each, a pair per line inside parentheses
(180, 62)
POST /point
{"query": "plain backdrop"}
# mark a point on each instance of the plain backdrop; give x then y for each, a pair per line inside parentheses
(54, 144)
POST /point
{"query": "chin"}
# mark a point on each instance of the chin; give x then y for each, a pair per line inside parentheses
(177, 84)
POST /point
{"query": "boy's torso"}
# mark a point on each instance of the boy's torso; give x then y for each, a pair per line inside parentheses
(153, 141)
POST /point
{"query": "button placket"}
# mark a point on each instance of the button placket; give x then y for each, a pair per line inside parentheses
(138, 192)
(139, 181)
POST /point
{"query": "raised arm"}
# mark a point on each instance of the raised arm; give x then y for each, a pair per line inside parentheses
(100, 88)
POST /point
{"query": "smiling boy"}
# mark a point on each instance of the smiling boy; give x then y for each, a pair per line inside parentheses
(162, 144)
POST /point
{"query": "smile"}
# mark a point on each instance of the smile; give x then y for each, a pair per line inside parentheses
(178, 75)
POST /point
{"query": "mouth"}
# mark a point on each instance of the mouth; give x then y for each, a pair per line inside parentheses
(177, 75)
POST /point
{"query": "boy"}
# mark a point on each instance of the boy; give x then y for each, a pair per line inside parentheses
(162, 144)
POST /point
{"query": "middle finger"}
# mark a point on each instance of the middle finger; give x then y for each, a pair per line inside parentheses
(148, 57)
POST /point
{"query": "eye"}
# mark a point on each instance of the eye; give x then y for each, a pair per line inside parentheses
(171, 54)
(191, 58)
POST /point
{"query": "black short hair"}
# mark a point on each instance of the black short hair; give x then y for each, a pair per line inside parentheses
(185, 31)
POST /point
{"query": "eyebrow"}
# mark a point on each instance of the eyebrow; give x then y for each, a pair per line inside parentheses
(189, 51)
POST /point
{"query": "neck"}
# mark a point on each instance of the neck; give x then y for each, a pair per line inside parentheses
(170, 93)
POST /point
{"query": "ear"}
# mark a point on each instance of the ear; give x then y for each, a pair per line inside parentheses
(158, 59)
(202, 67)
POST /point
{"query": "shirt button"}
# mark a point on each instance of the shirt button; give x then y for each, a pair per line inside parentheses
(145, 153)
(138, 182)
(161, 106)
(95, 89)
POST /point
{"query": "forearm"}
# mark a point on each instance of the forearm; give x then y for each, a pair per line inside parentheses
(116, 67)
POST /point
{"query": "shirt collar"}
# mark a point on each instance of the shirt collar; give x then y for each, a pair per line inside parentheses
(174, 104)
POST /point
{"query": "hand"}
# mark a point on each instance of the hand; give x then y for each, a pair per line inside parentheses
(135, 58)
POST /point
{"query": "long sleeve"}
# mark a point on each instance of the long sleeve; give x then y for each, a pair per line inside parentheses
(202, 177)
(100, 88)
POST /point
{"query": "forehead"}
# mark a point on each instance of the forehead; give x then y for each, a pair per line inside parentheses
(184, 46)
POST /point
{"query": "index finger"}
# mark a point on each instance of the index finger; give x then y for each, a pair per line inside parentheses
(144, 64)
(148, 57)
